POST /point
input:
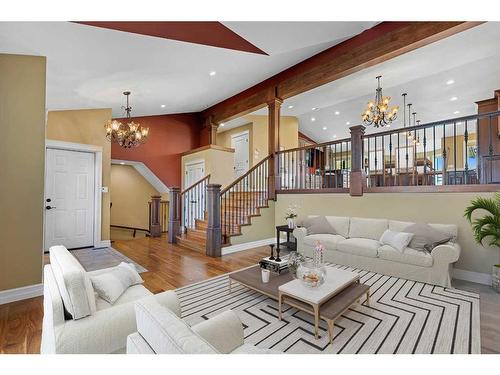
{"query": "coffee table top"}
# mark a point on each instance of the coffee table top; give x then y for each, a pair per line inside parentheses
(336, 280)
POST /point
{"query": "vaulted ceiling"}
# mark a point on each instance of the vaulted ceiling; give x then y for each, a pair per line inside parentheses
(169, 67)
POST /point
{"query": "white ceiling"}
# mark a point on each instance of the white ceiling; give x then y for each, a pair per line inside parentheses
(90, 67)
(470, 58)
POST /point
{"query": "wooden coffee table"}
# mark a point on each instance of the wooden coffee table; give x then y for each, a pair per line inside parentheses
(328, 302)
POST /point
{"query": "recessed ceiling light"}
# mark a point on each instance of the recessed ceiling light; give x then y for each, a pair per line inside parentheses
(450, 82)
(163, 106)
(334, 136)
(453, 98)
(313, 119)
(314, 108)
(324, 127)
(337, 113)
(290, 106)
(348, 123)
(456, 112)
(212, 73)
(222, 124)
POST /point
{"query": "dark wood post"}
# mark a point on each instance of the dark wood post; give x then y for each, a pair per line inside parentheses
(358, 180)
(274, 107)
(212, 130)
(214, 233)
(174, 214)
(154, 218)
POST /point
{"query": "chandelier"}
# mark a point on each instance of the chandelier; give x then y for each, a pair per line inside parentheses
(128, 134)
(377, 113)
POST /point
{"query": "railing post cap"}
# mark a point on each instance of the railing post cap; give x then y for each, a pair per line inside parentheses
(214, 186)
(174, 189)
(357, 128)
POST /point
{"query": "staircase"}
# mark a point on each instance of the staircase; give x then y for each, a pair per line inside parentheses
(239, 202)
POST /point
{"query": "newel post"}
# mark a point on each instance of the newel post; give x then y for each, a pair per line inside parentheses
(214, 232)
(274, 108)
(358, 179)
(174, 214)
(154, 218)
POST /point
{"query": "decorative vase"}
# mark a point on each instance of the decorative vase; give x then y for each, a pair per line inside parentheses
(318, 255)
(311, 276)
(291, 223)
(295, 259)
(495, 278)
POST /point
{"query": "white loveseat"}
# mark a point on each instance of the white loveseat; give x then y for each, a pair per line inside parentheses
(162, 331)
(357, 244)
(90, 324)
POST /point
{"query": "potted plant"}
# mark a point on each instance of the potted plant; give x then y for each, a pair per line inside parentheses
(290, 215)
(487, 227)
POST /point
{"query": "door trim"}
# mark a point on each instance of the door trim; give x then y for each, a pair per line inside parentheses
(190, 164)
(97, 151)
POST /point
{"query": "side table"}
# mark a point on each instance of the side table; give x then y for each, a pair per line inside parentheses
(289, 245)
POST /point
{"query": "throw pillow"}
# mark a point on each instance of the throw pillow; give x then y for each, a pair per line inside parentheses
(112, 284)
(425, 237)
(397, 240)
(318, 225)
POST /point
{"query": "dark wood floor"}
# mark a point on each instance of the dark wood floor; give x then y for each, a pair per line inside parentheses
(170, 267)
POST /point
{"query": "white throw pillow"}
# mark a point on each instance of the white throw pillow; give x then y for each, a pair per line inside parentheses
(397, 240)
(111, 285)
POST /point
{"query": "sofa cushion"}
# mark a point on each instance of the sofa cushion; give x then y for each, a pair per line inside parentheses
(408, 256)
(166, 333)
(367, 228)
(359, 246)
(328, 240)
(340, 224)
(134, 293)
(318, 225)
(398, 240)
(426, 237)
(73, 283)
(112, 284)
(399, 226)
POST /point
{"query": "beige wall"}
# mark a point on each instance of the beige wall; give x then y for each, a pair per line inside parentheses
(86, 126)
(259, 134)
(218, 163)
(22, 154)
(440, 208)
(262, 227)
(131, 193)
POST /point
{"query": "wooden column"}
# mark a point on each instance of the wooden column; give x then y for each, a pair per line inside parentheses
(174, 214)
(274, 107)
(214, 232)
(358, 180)
(154, 218)
(212, 130)
(488, 142)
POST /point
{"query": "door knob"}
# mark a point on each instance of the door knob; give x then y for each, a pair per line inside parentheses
(49, 207)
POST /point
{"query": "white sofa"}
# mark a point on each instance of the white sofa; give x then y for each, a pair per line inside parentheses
(357, 244)
(95, 326)
(162, 331)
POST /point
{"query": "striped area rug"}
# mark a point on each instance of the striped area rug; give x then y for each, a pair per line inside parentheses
(404, 317)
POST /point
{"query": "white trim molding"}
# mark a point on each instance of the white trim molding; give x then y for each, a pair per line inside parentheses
(18, 294)
(97, 151)
(145, 172)
(247, 245)
(475, 277)
(102, 244)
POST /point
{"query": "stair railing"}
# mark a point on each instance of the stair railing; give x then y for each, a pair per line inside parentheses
(242, 198)
(194, 203)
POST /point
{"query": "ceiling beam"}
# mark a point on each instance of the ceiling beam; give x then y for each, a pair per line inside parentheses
(374, 46)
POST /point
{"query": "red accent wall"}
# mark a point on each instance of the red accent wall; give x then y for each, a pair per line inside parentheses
(170, 136)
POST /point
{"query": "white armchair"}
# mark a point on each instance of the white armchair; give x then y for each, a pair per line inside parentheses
(94, 326)
(160, 331)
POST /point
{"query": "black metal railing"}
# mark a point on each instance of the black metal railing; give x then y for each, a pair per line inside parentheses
(243, 198)
(459, 151)
(194, 203)
(315, 167)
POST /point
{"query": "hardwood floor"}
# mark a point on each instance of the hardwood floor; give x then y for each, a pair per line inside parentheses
(170, 267)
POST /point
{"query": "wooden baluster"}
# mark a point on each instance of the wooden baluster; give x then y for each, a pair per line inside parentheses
(174, 214)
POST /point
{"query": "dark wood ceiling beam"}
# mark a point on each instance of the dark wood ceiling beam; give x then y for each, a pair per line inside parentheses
(376, 45)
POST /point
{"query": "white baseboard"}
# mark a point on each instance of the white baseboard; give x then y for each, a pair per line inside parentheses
(475, 277)
(247, 245)
(103, 243)
(18, 294)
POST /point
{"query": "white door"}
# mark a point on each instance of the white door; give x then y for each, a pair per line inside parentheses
(241, 154)
(194, 200)
(69, 199)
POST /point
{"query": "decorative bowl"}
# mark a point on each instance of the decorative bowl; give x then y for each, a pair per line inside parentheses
(311, 276)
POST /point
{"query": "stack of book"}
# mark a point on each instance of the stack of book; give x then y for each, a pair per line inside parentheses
(273, 265)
